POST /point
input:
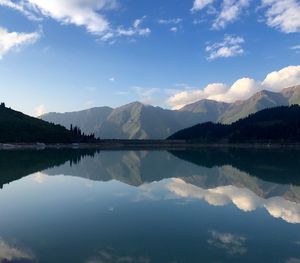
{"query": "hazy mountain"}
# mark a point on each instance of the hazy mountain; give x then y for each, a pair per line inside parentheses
(139, 121)
(88, 120)
(280, 125)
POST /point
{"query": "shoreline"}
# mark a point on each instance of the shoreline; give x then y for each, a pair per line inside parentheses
(143, 145)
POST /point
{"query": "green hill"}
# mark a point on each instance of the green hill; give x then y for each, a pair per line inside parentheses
(280, 125)
(16, 127)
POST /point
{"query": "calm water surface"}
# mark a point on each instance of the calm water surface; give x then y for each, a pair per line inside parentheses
(211, 205)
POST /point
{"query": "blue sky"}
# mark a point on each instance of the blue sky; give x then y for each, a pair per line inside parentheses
(66, 55)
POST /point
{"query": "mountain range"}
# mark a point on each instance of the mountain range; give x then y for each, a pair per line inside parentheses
(139, 121)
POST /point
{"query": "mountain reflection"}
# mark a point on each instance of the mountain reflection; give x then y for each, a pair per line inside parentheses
(17, 164)
(248, 178)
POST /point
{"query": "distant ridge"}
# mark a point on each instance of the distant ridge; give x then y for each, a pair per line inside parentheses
(138, 121)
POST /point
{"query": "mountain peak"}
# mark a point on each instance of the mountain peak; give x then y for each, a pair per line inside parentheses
(263, 93)
(203, 105)
(133, 104)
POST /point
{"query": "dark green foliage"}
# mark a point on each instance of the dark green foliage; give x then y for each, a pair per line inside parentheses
(281, 124)
(16, 127)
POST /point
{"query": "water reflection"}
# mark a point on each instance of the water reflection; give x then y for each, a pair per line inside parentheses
(110, 255)
(232, 244)
(11, 253)
(242, 198)
(213, 205)
(250, 179)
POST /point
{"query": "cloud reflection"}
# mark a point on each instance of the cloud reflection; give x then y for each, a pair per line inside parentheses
(232, 244)
(111, 256)
(9, 253)
(242, 198)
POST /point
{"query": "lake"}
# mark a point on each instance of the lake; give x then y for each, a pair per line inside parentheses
(206, 205)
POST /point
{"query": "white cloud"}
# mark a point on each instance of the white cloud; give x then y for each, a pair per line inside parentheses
(13, 40)
(182, 98)
(280, 14)
(135, 29)
(77, 12)
(215, 89)
(231, 10)
(174, 21)
(89, 14)
(20, 7)
(112, 79)
(40, 110)
(201, 4)
(297, 47)
(229, 47)
(283, 78)
(190, 95)
(283, 15)
(241, 89)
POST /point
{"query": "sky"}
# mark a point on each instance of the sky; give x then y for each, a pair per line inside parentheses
(67, 55)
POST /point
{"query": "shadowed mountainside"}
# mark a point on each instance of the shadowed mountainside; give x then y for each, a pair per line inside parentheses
(274, 125)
